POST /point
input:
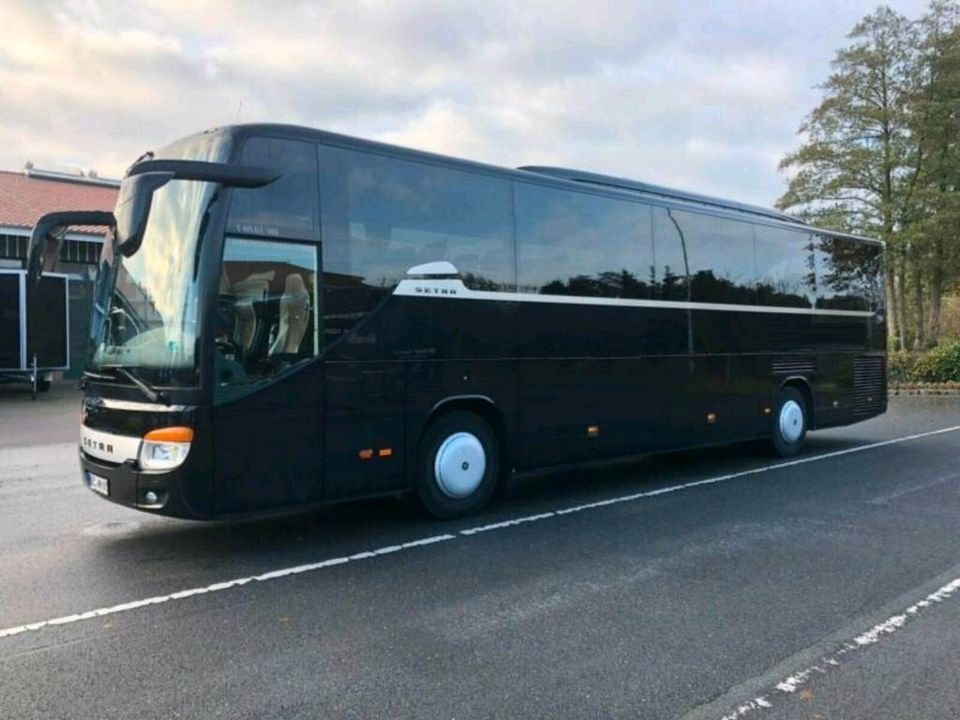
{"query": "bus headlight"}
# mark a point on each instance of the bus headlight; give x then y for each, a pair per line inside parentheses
(166, 448)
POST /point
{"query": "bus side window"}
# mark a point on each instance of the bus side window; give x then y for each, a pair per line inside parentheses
(849, 274)
(266, 317)
(720, 253)
(287, 207)
(383, 215)
(573, 243)
(785, 267)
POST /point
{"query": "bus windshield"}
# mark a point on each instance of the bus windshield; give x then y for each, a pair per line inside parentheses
(146, 312)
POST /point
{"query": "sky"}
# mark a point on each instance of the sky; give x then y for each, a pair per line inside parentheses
(701, 95)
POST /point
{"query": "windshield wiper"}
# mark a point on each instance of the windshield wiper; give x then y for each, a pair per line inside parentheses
(151, 394)
(89, 375)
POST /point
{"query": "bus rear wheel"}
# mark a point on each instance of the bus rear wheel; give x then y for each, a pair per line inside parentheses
(790, 421)
(459, 465)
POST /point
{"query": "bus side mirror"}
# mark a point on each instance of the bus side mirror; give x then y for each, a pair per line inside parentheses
(148, 176)
(46, 240)
(133, 208)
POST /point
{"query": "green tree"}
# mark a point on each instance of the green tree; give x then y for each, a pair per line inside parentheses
(936, 123)
(858, 167)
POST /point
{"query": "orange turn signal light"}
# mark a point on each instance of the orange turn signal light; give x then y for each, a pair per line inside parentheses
(178, 434)
(385, 452)
(365, 454)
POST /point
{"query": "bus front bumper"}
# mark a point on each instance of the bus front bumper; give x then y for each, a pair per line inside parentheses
(124, 484)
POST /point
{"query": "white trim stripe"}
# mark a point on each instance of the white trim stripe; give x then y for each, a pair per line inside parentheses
(135, 406)
(454, 289)
(468, 532)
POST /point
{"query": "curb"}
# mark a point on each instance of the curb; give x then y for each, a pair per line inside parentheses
(931, 389)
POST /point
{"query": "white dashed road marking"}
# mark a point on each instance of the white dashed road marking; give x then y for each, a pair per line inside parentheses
(791, 684)
(312, 567)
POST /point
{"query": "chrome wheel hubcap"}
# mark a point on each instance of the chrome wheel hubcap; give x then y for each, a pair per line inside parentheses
(791, 421)
(460, 465)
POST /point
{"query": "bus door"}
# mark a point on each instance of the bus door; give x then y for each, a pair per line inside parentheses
(268, 433)
(267, 395)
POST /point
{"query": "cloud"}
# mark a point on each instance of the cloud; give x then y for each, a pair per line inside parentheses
(704, 95)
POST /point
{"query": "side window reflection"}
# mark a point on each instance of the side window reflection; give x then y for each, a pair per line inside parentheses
(785, 267)
(287, 207)
(849, 274)
(266, 317)
(719, 254)
(573, 243)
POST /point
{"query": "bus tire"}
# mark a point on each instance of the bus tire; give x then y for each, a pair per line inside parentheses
(790, 422)
(459, 465)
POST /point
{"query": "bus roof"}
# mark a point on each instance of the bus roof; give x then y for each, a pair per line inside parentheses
(563, 175)
(645, 188)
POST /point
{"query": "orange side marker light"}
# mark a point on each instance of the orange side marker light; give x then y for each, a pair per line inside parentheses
(178, 434)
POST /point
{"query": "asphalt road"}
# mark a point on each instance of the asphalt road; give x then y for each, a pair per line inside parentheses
(828, 588)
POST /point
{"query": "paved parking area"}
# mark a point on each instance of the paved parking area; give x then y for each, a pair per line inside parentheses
(708, 584)
(51, 418)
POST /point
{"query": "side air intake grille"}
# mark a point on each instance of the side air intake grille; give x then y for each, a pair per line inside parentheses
(869, 386)
(805, 366)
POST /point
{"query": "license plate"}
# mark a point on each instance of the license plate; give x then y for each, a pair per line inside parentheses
(98, 484)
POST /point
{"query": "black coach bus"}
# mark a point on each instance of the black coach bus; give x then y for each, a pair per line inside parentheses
(287, 317)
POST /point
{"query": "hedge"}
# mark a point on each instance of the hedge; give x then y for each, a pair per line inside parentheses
(937, 365)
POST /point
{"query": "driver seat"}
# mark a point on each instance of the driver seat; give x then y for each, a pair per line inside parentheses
(294, 316)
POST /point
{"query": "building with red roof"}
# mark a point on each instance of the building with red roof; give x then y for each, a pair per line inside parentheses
(29, 194)
(26, 195)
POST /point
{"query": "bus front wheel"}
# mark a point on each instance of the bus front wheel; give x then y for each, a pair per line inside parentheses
(789, 422)
(459, 465)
